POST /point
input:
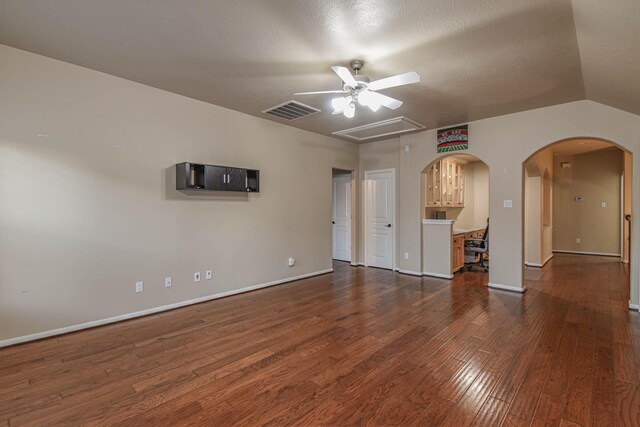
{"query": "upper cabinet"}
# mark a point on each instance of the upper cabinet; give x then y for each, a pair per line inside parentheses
(445, 184)
(192, 176)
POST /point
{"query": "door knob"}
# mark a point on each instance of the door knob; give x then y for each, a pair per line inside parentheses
(389, 225)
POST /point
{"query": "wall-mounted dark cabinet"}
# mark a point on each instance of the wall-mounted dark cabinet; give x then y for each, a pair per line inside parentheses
(192, 176)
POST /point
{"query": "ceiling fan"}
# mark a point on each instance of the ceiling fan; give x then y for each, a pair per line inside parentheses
(359, 90)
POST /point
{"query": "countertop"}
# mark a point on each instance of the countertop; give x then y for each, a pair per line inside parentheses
(464, 230)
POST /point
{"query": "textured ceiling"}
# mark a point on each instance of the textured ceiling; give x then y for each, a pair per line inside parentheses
(477, 58)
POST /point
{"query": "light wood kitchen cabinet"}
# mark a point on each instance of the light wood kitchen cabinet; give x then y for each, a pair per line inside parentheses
(445, 184)
(457, 259)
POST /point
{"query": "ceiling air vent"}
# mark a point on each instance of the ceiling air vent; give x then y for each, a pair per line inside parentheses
(379, 129)
(291, 110)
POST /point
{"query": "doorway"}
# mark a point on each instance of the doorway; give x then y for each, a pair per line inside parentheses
(341, 221)
(577, 194)
(380, 208)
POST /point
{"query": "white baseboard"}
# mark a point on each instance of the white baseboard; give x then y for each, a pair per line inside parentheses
(409, 272)
(635, 307)
(535, 264)
(508, 288)
(439, 275)
(586, 253)
(92, 324)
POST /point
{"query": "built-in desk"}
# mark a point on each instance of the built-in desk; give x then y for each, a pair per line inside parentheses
(443, 246)
(459, 236)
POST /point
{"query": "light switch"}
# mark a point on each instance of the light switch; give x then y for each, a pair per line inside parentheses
(508, 203)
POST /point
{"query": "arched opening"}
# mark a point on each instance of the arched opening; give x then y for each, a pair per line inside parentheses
(577, 203)
(455, 210)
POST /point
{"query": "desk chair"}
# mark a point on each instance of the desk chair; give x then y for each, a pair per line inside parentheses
(475, 250)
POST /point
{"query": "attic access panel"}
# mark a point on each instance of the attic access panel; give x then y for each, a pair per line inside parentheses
(380, 129)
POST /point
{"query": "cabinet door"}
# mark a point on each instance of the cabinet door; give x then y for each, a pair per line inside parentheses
(457, 260)
(236, 179)
(448, 197)
(429, 187)
(437, 189)
(215, 178)
(460, 195)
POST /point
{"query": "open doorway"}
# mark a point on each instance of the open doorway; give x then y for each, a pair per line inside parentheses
(577, 201)
(455, 198)
(342, 215)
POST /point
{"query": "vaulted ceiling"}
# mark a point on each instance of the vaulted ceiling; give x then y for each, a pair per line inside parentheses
(477, 58)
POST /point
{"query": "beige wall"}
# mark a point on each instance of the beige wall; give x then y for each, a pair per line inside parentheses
(533, 219)
(91, 209)
(538, 208)
(504, 143)
(628, 195)
(595, 177)
(480, 193)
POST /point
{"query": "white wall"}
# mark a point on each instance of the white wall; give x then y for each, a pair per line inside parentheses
(504, 143)
(92, 208)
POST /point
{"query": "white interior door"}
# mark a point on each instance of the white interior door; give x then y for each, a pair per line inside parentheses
(379, 205)
(342, 217)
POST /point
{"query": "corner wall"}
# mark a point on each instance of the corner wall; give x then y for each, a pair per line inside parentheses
(92, 208)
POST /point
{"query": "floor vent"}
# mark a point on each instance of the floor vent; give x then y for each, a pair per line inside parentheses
(379, 129)
(291, 110)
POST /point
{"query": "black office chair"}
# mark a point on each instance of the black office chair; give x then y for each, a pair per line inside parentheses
(475, 250)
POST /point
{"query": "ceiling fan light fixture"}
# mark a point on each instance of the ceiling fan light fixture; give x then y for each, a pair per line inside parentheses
(339, 104)
(350, 111)
(364, 98)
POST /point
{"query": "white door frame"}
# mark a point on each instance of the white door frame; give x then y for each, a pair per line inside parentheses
(393, 214)
(351, 210)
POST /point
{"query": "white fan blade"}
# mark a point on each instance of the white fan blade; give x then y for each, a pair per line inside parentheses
(322, 91)
(385, 100)
(399, 80)
(345, 75)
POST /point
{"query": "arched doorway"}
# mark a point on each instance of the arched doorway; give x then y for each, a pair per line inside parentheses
(576, 196)
(455, 209)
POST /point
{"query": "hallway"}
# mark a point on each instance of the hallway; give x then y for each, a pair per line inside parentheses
(359, 346)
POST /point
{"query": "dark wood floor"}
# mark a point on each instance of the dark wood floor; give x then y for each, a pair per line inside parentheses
(360, 346)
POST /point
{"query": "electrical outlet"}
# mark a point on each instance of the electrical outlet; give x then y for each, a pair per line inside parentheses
(196, 277)
(603, 204)
(167, 282)
(292, 262)
(406, 255)
(209, 274)
(508, 203)
(578, 240)
(139, 287)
